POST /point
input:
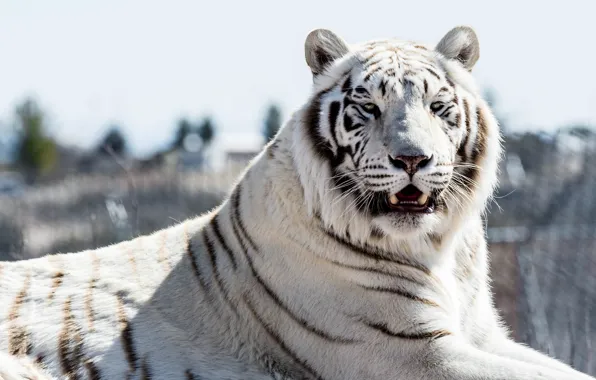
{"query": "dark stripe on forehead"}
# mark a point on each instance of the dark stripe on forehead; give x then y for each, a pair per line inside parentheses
(433, 73)
(372, 61)
(347, 84)
(390, 72)
(383, 87)
(372, 72)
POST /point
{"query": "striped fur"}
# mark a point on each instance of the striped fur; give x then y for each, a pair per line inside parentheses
(303, 272)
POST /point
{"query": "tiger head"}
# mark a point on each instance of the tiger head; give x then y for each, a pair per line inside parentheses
(395, 140)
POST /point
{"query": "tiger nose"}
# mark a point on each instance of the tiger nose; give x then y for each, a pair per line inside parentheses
(411, 164)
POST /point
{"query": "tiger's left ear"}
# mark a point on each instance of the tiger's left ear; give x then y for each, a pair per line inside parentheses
(460, 44)
(321, 48)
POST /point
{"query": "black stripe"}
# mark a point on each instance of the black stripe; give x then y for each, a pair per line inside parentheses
(380, 184)
(312, 121)
(128, 345)
(302, 322)
(145, 370)
(402, 293)
(457, 120)
(480, 143)
(382, 327)
(189, 375)
(374, 167)
(437, 174)
(211, 251)
(93, 372)
(462, 148)
(373, 72)
(347, 84)
(220, 238)
(348, 124)
(193, 262)
(383, 87)
(334, 108)
(445, 109)
(375, 270)
(277, 339)
(371, 63)
(363, 116)
(434, 73)
(69, 344)
(378, 175)
(237, 214)
(375, 254)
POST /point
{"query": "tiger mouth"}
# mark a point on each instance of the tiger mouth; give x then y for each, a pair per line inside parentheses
(411, 199)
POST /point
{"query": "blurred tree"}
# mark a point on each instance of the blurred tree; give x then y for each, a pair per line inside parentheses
(206, 131)
(533, 149)
(184, 128)
(272, 122)
(113, 142)
(36, 153)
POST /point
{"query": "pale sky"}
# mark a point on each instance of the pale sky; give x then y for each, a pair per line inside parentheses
(144, 64)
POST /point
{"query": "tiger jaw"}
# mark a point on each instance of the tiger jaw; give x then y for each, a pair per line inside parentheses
(410, 199)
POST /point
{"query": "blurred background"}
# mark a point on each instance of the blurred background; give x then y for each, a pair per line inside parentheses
(120, 118)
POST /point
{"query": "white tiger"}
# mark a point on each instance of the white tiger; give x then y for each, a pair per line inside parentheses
(351, 248)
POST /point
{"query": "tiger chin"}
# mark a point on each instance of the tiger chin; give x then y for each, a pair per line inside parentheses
(352, 247)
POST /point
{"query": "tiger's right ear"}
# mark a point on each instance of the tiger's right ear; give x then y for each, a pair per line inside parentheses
(321, 48)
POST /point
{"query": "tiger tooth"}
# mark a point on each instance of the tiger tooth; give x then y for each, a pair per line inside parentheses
(393, 199)
(422, 199)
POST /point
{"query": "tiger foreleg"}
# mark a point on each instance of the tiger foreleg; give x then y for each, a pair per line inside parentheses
(450, 359)
(507, 348)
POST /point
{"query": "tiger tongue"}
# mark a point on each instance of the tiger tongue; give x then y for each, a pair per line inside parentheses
(409, 193)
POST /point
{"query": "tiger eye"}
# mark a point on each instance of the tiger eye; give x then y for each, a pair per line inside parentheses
(436, 106)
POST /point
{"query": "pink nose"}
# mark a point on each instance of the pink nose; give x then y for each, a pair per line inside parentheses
(410, 164)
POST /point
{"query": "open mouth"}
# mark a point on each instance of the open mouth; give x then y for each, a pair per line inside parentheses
(410, 199)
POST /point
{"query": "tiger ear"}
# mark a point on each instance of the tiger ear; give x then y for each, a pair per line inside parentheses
(460, 44)
(321, 48)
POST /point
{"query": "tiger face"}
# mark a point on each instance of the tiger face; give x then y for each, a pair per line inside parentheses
(402, 128)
